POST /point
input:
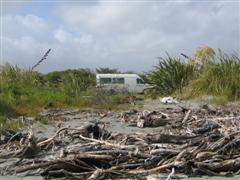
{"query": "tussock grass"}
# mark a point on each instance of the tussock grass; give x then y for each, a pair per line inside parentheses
(219, 78)
(169, 76)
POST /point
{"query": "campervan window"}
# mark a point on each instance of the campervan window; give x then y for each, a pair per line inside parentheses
(105, 80)
(118, 80)
(140, 81)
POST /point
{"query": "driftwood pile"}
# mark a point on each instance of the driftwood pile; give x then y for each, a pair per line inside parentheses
(192, 142)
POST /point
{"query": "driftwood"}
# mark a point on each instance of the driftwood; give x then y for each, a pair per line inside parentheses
(186, 116)
(165, 138)
(193, 142)
(152, 119)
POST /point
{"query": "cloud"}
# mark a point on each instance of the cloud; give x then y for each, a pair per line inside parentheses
(15, 26)
(62, 35)
(171, 25)
(121, 35)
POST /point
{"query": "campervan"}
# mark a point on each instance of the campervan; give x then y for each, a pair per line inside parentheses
(121, 82)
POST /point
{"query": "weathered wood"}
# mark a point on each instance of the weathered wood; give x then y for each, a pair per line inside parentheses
(166, 138)
(186, 116)
(109, 144)
(193, 142)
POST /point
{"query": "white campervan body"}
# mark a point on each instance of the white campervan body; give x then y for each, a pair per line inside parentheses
(118, 82)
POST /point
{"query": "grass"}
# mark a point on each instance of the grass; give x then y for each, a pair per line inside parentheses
(10, 123)
(219, 100)
(169, 76)
(27, 92)
(102, 99)
(219, 78)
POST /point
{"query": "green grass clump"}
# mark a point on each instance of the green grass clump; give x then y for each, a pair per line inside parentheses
(169, 76)
(219, 78)
(10, 123)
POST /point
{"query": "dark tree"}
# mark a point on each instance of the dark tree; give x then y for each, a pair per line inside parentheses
(106, 71)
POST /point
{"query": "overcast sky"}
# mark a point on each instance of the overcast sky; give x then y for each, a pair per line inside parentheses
(116, 34)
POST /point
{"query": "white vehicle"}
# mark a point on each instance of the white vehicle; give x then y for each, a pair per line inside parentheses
(121, 82)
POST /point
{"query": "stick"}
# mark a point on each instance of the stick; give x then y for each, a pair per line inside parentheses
(153, 170)
(171, 174)
(109, 144)
(186, 116)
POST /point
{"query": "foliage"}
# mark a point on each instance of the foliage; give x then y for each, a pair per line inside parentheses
(11, 75)
(220, 78)
(106, 70)
(204, 53)
(54, 78)
(72, 81)
(78, 81)
(169, 76)
(26, 92)
(201, 55)
(10, 123)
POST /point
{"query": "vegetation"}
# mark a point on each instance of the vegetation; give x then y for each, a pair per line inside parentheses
(26, 92)
(201, 55)
(103, 70)
(220, 78)
(217, 76)
(111, 99)
(169, 76)
(106, 71)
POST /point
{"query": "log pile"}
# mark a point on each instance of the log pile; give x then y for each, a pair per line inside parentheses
(194, 142)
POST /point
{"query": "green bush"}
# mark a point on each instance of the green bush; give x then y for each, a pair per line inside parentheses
(169, 76)
(26, 92)
(6, 109)
(72, 82)
(78, 81)
(219, 78)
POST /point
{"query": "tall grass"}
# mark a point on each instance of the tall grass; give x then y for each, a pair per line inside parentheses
(27, 92)
(219, 78)
(78, 81)
(169, 76)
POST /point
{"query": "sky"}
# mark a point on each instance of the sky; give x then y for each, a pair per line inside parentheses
(127, 35)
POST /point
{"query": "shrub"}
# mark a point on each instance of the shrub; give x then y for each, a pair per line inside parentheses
(169, 76)
(26, 92)
(221, 78)
(75, 82)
